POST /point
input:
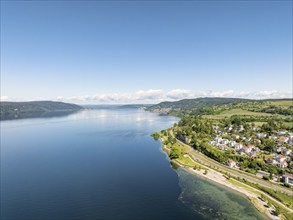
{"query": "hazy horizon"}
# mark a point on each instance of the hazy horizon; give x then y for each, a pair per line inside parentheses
(137, 103)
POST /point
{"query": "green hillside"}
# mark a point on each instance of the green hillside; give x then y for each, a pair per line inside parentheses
(225, 107)
(17, 110)
(188, 105)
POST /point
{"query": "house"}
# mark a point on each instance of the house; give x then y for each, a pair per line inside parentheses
(271, 161)
(251, 146)
(283, 139)
(247, 139)
(235, 136)
(214, 143)
(232, 143)
(238, 146)
(215, 127)
(253, 128)
(283, 132)
(223, 147)
(280, 158)
(261, 135)
(280, 149)
(239, 128)
(229, 128)
(273, 137)
(256, 149)
(257, 141)
(230, 163)
(283, 164)
(286, 152)
(218, 139)
(187, 140)
(246, 150)
(224, 141)
(252, 154)
(287, 178)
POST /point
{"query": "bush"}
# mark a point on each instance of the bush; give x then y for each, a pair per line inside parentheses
(156, 136)
(286, 185)
(175, 152)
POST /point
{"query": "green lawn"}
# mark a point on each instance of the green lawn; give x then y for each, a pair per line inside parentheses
(260, 123)
(283, 103)
(237, 183)
(188, 162)
(236, 111)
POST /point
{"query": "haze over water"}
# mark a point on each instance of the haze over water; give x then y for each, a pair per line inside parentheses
(103, 164)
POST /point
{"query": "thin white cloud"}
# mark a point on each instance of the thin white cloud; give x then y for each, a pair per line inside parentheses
(142, 96)
(179, 94)
(151, 94)
(3, 98)
(210, 93)
(265, 94)
(157, 95)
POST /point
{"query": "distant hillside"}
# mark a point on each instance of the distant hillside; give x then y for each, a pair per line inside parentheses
(136, 106)
(17, 110)
(188, 104)
(226, 107)
(126, 106)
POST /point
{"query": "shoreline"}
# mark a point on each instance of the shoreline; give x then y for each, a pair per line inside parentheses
(219, 178)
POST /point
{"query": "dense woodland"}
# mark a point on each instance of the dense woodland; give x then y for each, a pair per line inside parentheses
(16, 110)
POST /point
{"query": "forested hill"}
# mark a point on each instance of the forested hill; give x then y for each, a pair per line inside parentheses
(189, 104)
(222, 107)
(17, 110)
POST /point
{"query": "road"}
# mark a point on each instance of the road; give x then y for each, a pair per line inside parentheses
(197, 156)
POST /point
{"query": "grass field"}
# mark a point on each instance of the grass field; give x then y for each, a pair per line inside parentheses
(236, 111)
(260, 123)
(237, 183)
(283, 103)
(186, 161)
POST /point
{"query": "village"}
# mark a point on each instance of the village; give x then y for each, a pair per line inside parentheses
(236, 140)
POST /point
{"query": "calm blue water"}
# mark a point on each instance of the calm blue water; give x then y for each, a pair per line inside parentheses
(102, 164)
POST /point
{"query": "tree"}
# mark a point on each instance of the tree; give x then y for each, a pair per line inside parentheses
(269, 144)
(269, 203)
(156, 136)
(277, 210)
(175, 152)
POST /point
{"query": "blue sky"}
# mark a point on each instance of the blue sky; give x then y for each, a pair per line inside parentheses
(146, 51)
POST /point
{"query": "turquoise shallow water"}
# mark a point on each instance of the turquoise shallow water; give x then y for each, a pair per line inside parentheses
(213, 200)
(102, 164)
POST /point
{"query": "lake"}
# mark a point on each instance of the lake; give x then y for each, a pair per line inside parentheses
(103, 164)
